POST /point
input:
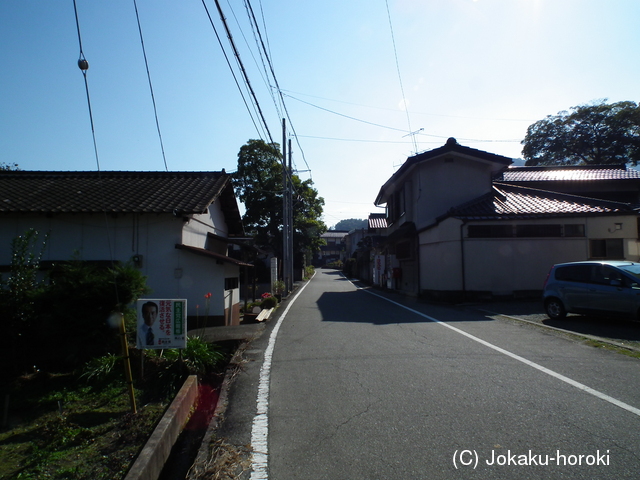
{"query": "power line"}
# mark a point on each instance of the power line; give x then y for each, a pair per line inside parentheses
(404, 99)
(153, 98)
(413, 111)
(242, 69)
(345, 116)
(235, 78)
(263, 48)
(83, 64)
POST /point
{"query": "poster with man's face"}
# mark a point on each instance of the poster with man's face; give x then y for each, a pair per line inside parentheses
(162, 323)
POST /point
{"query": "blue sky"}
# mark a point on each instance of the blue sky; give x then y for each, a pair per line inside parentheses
(481, 71)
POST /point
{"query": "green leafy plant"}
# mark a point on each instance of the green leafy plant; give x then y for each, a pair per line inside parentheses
(279, 287)
(269, 302)
(199, 356)
(100, 368)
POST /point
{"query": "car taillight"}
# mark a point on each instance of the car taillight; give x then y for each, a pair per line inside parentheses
(547, 279)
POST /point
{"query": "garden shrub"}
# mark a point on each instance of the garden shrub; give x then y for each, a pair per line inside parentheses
(269, 302)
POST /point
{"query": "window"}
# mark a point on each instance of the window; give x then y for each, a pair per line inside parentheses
(526, 231)
(538, 230)
(231, 283)
(611, 248)
(574, 230)
(574, 273)
(490, 231)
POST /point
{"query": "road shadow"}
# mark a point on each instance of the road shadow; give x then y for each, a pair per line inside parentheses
(613, 328)
(533, 311)
(361, 307)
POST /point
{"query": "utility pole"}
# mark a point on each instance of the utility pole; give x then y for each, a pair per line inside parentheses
(286, 260)
(290, 223)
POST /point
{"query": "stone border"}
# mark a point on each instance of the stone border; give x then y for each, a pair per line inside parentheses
(153, 456)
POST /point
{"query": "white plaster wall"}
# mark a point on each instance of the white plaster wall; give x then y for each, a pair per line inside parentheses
(171, 273)
(440, 184)
(506, 265)
(440, 257)
(195, 231)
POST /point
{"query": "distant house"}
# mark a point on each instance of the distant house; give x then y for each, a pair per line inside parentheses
(366, 247)
(462, 223)
(176, 227)
(334, 250)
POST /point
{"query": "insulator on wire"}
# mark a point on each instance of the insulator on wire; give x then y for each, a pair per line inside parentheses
(83, 64)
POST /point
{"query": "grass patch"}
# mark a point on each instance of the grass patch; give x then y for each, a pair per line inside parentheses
(614, 348)
(79, 425)
(62, 428)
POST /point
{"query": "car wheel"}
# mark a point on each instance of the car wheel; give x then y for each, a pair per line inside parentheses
(555, 308)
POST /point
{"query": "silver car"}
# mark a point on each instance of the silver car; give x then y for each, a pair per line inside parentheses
(596, 287)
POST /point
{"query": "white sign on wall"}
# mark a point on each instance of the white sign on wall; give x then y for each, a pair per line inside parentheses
(162, 323)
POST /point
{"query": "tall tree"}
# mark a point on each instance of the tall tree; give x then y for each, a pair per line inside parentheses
(595, 134)
(258, 184)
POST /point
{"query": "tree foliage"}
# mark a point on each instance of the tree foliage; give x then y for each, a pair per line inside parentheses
(258, 185)
(351, 224)
(595, 134)
(60, 320)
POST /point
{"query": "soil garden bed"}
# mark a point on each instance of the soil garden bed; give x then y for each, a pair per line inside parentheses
(62, 426)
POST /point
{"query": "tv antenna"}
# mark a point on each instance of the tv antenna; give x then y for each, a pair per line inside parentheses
(413, 139)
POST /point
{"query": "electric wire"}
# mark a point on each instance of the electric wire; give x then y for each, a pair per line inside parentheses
(264, 74)
(345, 116)
(242, 69)
(235, 78)
(84, 66)
(153, 98)
(404, 99)
(263, 48)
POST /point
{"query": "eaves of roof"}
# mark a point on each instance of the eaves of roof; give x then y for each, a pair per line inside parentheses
(209, 254)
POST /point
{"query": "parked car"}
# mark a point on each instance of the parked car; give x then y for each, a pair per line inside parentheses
(598, 287)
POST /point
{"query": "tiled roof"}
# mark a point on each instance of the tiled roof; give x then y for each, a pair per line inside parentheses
(574, 173)
(334, 234)
(509, 201)
(377, 220)
(113, 192)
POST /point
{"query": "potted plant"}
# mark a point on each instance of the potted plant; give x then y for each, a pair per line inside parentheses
(278, 289)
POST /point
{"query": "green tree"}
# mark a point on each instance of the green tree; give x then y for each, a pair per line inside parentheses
(258, 185)
(351, 224)
(595, 134)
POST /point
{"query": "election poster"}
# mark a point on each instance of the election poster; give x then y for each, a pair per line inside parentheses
(162, 323)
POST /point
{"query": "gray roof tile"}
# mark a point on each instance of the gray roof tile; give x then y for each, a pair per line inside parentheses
(113, 192)
(510, 201)
(577, 173)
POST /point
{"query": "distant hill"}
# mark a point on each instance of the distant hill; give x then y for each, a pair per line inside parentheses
(350, 224)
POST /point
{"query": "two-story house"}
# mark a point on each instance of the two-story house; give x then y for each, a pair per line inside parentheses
(462, 224)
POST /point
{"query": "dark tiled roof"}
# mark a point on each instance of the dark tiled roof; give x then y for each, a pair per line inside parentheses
(113, 192)
(576, 173)
(510, 201)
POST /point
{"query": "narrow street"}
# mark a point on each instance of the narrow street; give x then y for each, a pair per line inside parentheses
(364, 385)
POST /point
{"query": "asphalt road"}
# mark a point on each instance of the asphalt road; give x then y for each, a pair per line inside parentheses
(366, 385)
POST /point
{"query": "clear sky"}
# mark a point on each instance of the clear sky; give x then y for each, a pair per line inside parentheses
(357, 77)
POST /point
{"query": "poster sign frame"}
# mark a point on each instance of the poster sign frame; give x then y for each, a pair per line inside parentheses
(162, 323)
